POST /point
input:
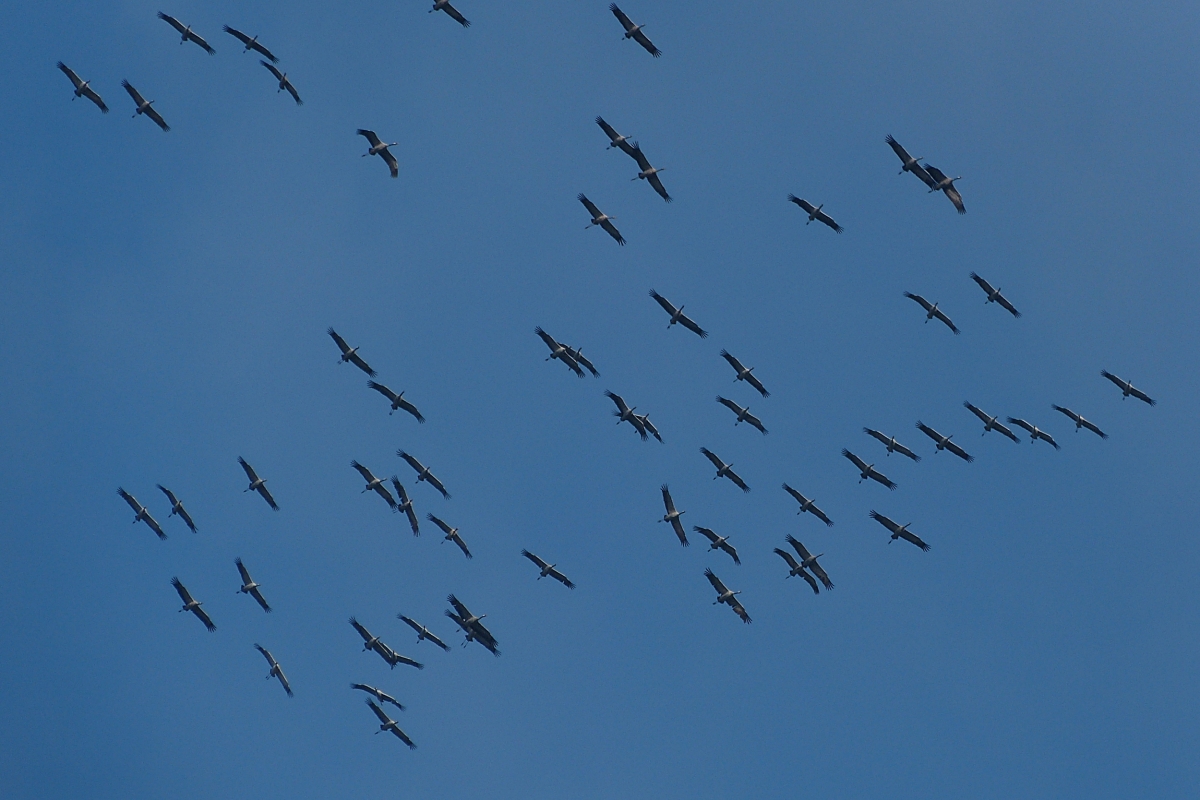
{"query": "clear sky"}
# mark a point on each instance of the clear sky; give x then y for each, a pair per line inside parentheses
(165, 298)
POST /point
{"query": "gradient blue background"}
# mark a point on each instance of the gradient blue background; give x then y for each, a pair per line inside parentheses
(164, 300)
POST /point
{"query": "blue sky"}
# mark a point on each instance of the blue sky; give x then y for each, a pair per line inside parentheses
(165, 299)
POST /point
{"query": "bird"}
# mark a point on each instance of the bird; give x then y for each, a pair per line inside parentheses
(899, 531)
(559, 351)
(251, 43)
(378, 694)
(142, 513)
(369, 640)
(375, 484)
(724, 470)
(649, 426)
(1080, 422)
(444, 5)
(807, 505)
(634, 31)
(82, 88)
(743, 414)
(677, 315)
(177, 508)
(994, 296)
(745, 374)
(625, 414)
(276, 670)
(1128, 388)
(1035, 433)
(187, 35)
(577, 354)
(257, 484)
(548, 570)
(372, 642)
(891, 444)
(192, 605)
(809, 562)
(397, 400)
(932, 311)
(910, 164)
(868, 470)
(796, 570)
(815, 213)
(649, 173)
(451, 534)
(471, 625)
(726, 596)
(946, 185)
(405, 504)
(423, 633)
(250, 587)
(379, 148)
(718, 542)
(672, 516)
(601, 219)
(423, 473)
(145, 106)
(990, 423)
(944, 443)
(350, 354)
(617, 140)
(284, 83)
(386, 723)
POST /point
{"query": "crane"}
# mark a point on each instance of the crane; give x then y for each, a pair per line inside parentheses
(891, 444)
(946, 185)
(559, 351)
(601, 219)
(350, 354)
(577, 354)
(1035, 433)
(423, 633)
(624, 413)
(142, 514)
(724, 470)
(943, 442)
(649, 426)
(405, 504)
(677, 315)
(451, 11)
(548, 570)
(374, 484)
(145, 106)
(809, 562)
(82, 88)
(932, 311)
(1128, 388)
(177, 508)
(1080, 422)
(868, 470)
(378, 694)
(189, 604)
(815, 213)
(616, 139)
(726, 596)
(372, 642)
(250, 587)
(994, 296)
(471, 625)
(718, 542)
(257, 484)
(379, 148)
(284, 83)
(451, 534)
(990, 423)
(807, 505)
(796, 569)
(388, 724)
(634, 31)
(910, 164)
(397, 400)
(251, 44)
(743, 414)
(423, 473)
(672, 516)
(899, 531)
(649, 173)
(186, 33)
(276, 670)
(745, 374)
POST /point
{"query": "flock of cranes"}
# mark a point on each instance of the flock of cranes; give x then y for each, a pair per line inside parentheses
(800, 562)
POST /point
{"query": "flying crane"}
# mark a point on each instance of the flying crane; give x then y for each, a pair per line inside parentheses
(809, 562)
(189, 604)
(451, 534)
(726, 596)
(251, 43)
(724, 470)
(451, 11)
(868, 470)
(405, 504)
(601, 219)
(276, 670)
(815, 213)
(379, 148)
(891, 444)
(284, 83)
(796, 569)
(186, 33)
(899, 531)
(559, 351)
(807, 505)
(1035, 433)
(616, 139)
(142, 514)
(388, 724)
(649, 173)
(672, 516)
(397, 400)
(677, 315)
(177, 508)
(634, 31)
(944, 443)
(743, 414)
(910, 164)
(145, 106)
(990, 423)
(374, 484)
(1128, 388)
(250, 587)
(471, 625)
(423, 633)
(350, 354)
(1080, 422)
(257, 484)
(624, 413)
(946, 185)
(82, 88)
(423, 473)
(994, 296)
(932, 311)
(718, 542)
(548, 570)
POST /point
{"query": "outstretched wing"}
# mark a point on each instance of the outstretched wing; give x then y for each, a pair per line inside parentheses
(249, 470)
(925, 304)
(363, 632)
(879, 477)
(715, 581)
(952, 192)
(1020, 423)
(412, 462)
(366, 473)
(202, 615)
(958, 451)
(949, 323)
(177, 25)
(733, 362)
(828, 220)
(76, 81)
(740, 610)
(456, 16)
(984, 418)
(804, 204)
(707, 533)
(357, 361)
(1140, 395)
(898, 149)
(613, 232)
(266, 495)
(732, 406)
(540, 564)
(656, 182)
(639, 157)
(184, 594)
(274, 70)
(713, 457)
(884, 521)
(619, 401)
(737, 480)
(757, 384)
(690, 324)
(625, 21)
(909, 536)
(134, 93)
(1009, 307)
(987, 287)
(379, 712)
(235, 33)
(590, 206)
(445, 528)
(855, 460)
(609, 130)
(667, 501)
(245, 573)
(407, 504)
(386, 155)
(130, 499)
(432, 480)
(338, 340)
(383, 390)
(374, 141)
(664, 302)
